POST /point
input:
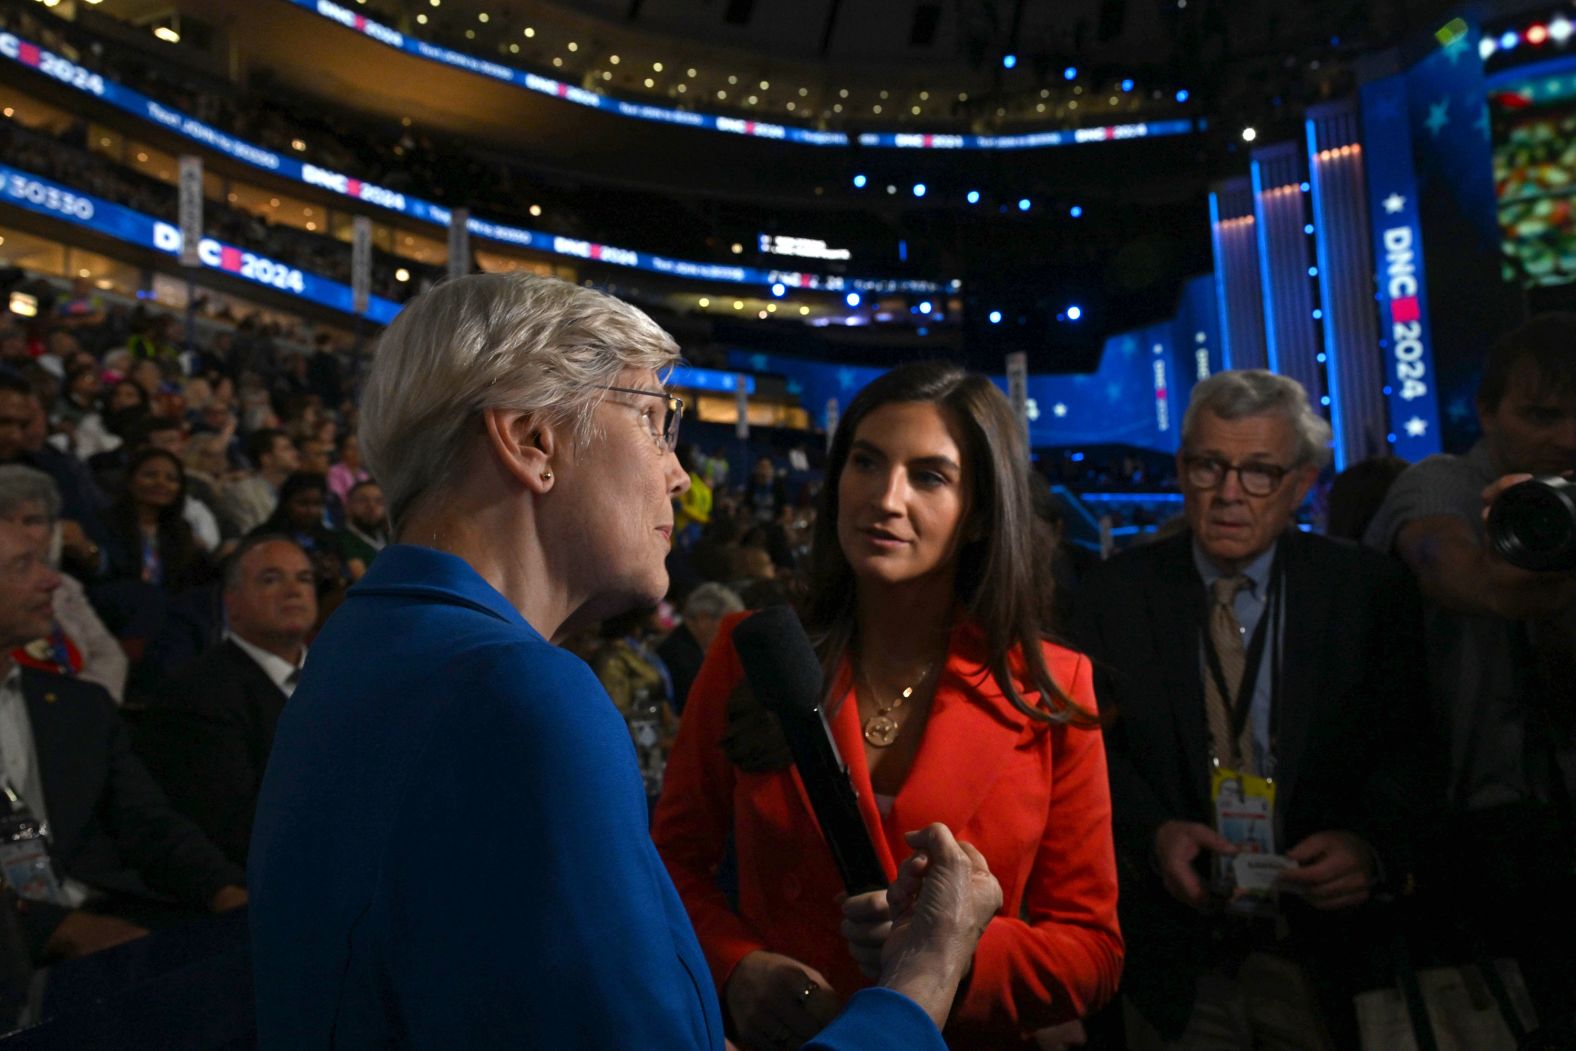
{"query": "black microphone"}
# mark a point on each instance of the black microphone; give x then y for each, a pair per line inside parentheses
(785, 674)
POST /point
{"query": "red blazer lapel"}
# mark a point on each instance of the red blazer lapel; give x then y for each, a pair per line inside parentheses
(971, 728)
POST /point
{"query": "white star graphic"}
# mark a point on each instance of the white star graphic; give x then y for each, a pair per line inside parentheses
(1059, 409)
(1394, 203)
(1416, 427)
(1438, 116)
(1032, 409)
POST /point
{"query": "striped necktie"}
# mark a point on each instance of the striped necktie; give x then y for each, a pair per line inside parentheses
(1225, 635)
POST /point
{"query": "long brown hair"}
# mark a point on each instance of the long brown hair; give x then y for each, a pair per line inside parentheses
(1001, 582)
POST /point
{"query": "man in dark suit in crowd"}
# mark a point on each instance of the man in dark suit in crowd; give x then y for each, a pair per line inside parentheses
(120, 852)
(685, 647)
(1290, 660)
(208, 743)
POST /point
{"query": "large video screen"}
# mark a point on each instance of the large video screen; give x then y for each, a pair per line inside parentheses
(1535, 175)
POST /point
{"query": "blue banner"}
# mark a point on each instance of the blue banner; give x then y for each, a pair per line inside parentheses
(1130, 399)
(45, 197)
(170, 119)
(713, 380)
(1033, 140)
(758, 129)
(1406, 336)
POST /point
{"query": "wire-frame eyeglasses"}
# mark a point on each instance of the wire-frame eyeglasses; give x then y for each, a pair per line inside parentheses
(668, 438)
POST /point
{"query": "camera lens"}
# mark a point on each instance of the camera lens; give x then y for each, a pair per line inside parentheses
(1533, 525)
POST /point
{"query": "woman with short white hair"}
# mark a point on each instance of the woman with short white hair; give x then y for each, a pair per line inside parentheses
(450, 847)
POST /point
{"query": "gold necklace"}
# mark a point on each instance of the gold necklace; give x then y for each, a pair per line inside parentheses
(881, 729)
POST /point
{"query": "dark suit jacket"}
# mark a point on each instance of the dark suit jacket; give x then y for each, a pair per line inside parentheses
(208, 743)
(110, 825)
(1353, 753)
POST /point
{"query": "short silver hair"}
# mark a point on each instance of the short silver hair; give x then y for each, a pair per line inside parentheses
(24, 485)
(711, 600)
(1237, 393)
(484, 341)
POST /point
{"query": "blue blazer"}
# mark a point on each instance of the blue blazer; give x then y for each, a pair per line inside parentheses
(451, 846)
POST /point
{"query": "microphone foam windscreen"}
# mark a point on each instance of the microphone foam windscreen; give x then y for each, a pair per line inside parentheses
(779, 661)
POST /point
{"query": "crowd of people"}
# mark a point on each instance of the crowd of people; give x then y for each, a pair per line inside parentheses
(1295, 756)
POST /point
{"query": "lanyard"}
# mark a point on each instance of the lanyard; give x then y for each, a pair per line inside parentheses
(1270, 624)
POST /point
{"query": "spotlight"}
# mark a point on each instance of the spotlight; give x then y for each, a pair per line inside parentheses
(859, 182)
(995, 317)
(974, 197)
(1009, 61)
(1486, 48)
(1308, 228)
(925, 307)
(779, 290)
(1024, 204)
(1508, 40)
(852, 299)
(919, 189)
(1249, 134)
(1127, 85)
(1560, 30)
(1070, 73)
(1074, 312)
(1076, 211)
(1536, 35)
(1304, 187)
(1182, 95)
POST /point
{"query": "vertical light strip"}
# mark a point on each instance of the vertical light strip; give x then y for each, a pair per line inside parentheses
(1220, 280)
(1327, 296)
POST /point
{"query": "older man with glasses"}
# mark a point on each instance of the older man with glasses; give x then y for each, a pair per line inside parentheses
(1262, 692)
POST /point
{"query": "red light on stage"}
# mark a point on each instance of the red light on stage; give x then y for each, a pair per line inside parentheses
(1536, 34)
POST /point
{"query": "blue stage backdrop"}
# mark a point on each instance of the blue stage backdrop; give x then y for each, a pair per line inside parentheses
(1136, 397)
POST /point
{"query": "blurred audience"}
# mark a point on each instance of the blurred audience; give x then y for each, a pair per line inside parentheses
(685, 647)
(120, 859)
(207, 742)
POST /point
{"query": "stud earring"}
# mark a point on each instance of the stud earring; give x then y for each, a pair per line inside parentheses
(547, 476)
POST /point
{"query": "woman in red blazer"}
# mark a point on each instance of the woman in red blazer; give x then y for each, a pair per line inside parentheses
(926, 604)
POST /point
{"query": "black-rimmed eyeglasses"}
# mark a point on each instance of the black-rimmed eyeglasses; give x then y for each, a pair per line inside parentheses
(667, 438)
(1257, 479)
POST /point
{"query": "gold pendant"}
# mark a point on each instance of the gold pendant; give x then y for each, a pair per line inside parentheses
(881, 730)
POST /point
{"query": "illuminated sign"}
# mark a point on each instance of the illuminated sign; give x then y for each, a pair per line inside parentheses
(1405, 337)
(804, 247)
(25, 190)
(51, 64)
